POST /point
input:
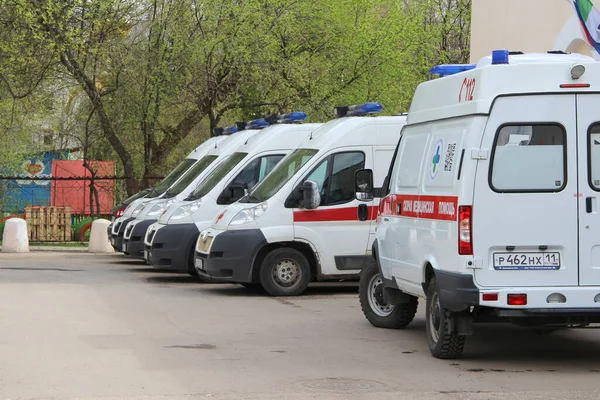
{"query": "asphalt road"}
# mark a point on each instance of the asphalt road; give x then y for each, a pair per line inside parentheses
(79, 326)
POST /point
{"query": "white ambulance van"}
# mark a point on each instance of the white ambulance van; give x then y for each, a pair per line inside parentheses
(133, 237)
(117, 227)
(302, 222)
(171, 242)
(492, 209)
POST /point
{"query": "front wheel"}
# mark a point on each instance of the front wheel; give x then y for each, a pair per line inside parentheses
(376, 310)
(442, 343)
(284, 272)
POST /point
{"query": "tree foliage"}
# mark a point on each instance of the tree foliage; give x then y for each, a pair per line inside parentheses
(151, 78)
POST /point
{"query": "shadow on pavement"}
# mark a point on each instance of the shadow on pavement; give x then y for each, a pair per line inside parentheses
(497, 348)
(317, 289)
(174, 278)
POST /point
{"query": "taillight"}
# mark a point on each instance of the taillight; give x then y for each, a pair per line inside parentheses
(119, 212)
(517, 299)
(489, 297)
(465, 243)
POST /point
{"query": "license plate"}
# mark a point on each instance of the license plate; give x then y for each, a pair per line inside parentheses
(199, 263)
(124, 247)
(146, 255)
(113, 241)
(527, 261)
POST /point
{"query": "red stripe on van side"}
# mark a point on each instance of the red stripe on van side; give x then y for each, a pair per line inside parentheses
(332, 214)
(444, 208)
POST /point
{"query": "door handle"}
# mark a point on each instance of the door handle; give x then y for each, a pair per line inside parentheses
(363, 212)
(588, 204)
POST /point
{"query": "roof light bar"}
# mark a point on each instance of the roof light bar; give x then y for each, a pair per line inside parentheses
(500, 57)
(257, 124)
(294, 116)
(450, 69)
(358, 110)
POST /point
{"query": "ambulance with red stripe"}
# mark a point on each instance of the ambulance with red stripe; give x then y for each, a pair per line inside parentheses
(302, 223)
(491, 212)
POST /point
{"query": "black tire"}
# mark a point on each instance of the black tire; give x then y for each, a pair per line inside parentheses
(442, 344)
(377, 312)
(284, 272)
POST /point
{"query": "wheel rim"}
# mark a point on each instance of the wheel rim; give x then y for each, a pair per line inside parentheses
(435, 317)
(286, 273)
(375, 295)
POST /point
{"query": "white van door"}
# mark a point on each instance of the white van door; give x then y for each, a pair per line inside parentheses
(588, 136)
(334, 228)
(525, 216)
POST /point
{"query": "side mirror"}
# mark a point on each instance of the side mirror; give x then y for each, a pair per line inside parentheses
(311, 195)
(363, 185)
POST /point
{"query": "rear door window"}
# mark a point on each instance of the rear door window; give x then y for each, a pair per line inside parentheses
(529, 158)
(594, 157)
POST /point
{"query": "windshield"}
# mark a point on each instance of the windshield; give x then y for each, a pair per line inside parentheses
(189, 176)
(282, 173)
(136, 196)
(171, 178)
(219, 173)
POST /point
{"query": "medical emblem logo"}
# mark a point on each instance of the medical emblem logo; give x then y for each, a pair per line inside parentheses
(436, 159)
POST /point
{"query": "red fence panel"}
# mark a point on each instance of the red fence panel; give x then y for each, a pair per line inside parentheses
(76, 193)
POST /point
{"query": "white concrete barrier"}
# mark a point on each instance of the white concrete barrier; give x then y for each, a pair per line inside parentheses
(99, 242)
(14, 237)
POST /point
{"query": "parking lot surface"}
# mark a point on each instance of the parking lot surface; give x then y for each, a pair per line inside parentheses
(81, 326)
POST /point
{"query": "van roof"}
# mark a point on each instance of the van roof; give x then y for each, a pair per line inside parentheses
(473, 91)
(346, 131)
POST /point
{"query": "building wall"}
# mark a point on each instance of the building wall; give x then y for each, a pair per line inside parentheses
(525, 25)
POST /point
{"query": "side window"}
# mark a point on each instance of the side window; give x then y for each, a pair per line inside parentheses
(257, 169)
(529, 158)
(267, 164)
(335, 177)
(594, 156)
(248, 174)
(320, 175)
(341, 188)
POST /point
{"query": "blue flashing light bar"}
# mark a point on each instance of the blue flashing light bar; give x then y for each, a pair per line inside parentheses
(229, 130)
(451, 69)
(500, 57)
(257, 124)
(295, 116)
(358, 110)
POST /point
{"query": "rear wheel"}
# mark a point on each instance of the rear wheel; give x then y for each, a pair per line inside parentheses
(376, 310)
(284, 272)
(443, 343)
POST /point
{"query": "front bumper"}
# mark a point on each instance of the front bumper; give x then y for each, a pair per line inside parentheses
(172, 247)
(133, 238)
(230, 256)
(117, 232)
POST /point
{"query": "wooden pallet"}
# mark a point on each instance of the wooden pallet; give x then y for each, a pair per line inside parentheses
(48, 224)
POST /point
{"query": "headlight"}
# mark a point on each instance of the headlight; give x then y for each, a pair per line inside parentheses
(137, 210)
(186, 210)
(249, 214)
(158, 208)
